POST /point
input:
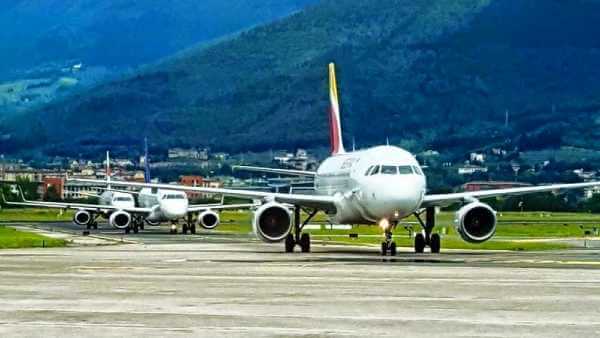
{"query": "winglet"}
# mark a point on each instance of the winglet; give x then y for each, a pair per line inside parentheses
(335, 127)
(147, 178)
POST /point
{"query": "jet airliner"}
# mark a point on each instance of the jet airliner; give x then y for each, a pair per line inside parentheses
(381, 185)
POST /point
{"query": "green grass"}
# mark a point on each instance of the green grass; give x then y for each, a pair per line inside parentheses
(34, 215)
(513, 236)
(14, 239)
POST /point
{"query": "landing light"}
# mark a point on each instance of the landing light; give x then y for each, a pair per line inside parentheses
(396, 214)
(384, 224)
(173, 227)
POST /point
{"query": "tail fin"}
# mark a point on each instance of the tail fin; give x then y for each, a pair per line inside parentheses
(147, 178)
(335, 127)
(108, 171)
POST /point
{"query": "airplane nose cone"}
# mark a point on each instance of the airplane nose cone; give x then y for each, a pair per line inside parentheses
(395, 199)
(174, 211)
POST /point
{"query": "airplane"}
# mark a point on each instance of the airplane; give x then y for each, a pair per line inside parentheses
(163, 205)
(381, 185)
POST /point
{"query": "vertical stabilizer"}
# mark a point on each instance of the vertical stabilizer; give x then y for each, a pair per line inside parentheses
(335, 126)
(108, 171)
(147, 178)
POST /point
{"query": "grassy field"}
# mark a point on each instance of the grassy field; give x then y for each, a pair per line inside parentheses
(13, 239)
(34, 215)
(516, 231)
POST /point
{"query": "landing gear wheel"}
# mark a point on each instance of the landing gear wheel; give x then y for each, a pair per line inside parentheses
(136, 229)
(393, 249)
(127, 230)
(88, 226)
(290, 243)
(193, 229)
(141, 225)
(435, 244)
(419, 243)
(305, 242)
(95, 226)
(185, 229)
(384, 248)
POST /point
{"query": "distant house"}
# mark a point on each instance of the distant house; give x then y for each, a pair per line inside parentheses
(477, 157)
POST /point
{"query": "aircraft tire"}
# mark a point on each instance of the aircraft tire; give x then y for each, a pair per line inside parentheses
(305, 243)
(419, 243)
(384, 248)
(393, 249)
(435, 243)
(290, 243)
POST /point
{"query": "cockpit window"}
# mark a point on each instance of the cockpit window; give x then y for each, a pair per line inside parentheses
(389, 170)
(375, 170)
(123, 199)
(418, 170)
(405, 170)
(173, 197)
(368, 172)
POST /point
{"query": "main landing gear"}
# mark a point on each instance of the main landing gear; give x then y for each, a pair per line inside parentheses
(303, 240)
(427, 238)
(189, 226)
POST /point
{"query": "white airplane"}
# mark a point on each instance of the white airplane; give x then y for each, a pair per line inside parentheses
(156, 206)
(381, 185)
(163, 205)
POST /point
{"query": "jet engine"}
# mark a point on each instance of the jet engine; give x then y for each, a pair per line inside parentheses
(272, 222)
(120, 219)
(209, 219)
(476, 222)
(82, 217)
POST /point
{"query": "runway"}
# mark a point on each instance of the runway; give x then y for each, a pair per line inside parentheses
(226, 285)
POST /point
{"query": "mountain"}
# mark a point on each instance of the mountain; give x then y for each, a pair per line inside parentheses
(39, 34)
(443, 74)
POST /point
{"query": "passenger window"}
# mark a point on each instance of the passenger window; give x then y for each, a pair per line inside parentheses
(368, 172)
(375, 171)
(405, 170)
(389, 170)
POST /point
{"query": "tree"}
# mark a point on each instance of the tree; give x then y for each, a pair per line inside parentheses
(52, 194)
(29, 188)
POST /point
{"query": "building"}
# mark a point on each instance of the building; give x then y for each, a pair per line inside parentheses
(188, 154)
(58, 183)
(489, 185)
(199, 181)
(470, 169)
(477, 157)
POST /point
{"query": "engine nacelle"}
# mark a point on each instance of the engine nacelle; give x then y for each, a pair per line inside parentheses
(272, 222)
(82, 217)
(209, 219)
(120, 219)
(476, 222)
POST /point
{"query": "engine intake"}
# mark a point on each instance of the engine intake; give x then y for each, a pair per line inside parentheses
(209, 219)
(476, 222)
(120, 219)
(272, 222)
(82, 217)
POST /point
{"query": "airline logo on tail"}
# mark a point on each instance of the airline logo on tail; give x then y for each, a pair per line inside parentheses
(335, 127)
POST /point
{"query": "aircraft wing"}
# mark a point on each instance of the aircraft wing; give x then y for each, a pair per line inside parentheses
(325, 203)
(447, 199)
(198, 208)
(74, 206)
(275, 171)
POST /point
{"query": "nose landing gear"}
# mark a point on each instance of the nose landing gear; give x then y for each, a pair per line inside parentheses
(388, 245)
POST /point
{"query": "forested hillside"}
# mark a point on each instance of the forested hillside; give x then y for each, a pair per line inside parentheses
(436, 73)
